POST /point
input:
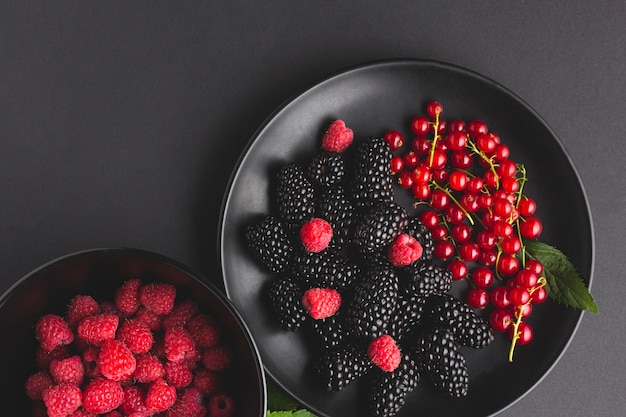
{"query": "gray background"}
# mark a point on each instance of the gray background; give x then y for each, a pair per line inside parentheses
(120, 123)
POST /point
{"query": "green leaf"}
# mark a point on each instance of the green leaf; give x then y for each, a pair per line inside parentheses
(564, 284)
(299, 413)
(278, 400)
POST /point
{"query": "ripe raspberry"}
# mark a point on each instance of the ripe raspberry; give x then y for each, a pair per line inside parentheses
(127, 297)
(136, 336)
(188, 404)
(52, 331)
(116, 361)
(404, 250)
(68, 370)
(81, 412)
(98, 329)
(108, 307)
(178, 344)
(321, 303)
(337, 137)
(316, 234)
(149, 318)
(178, 374)
(43, 357)
(134, 400)
(217, 358)
(102, 395)
(148, 368)
(80, 307)
(207, 382)
(158, 297)
(221, 405)
(62, 399)
(36, 384)
(384, 353)
(204, 330)
(161, 396)
(180, 314)
(116, 413)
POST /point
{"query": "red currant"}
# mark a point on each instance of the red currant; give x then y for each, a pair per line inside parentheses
(420, 145)
(475, 185)
(526, 278)
(502, 228)
(476, 127)
(421, 191)
(458, 269)
(456, 126)
(397, 164)
(405, 179)
(469, 201)
(500, 320)
(440, 175)
(502, 207)
(500, 297)
(461, 232)
(524, 333)
(411, 160)
(486, 239)
(457, 140)
(482, 277)
(490, 179)
(485, 201)
(507, 264)
(438, 159)
(443, 250)
(439, 199)
(534, 266)
(530, 227)
(439, 232)
(394, 139)
(420, 125)
(458, 180)
(511, 244)
(523, 311)
(454, 214)
(506, 168)
(461, 159)
(526, 206)
(434, 109)
(501, 152)
(429, 218)
(519, 296)
(539, 295)
(477, 298)
(486, 143)
(421, 174)
(510, 185)
(488, 257)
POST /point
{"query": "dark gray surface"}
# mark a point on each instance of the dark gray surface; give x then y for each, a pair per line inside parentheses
(120, 123)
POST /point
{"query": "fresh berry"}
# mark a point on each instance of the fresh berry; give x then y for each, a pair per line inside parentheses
(337, 137)
(180, 314)
(69, 370)
(134, 400)
(149, 318)
(52, 331)
(334, 206)
(295, 196)
(102, 395)
(80, 307)
(372, 181)
(324, 269)
(329, 333)
(321, 303)
(37, 383)
(44, 357)
(404, 250)
(178, 344)
(338, 368)
(316, 234)
(127, 297)
(190, 403)
(62, 400)
(204, 330)
(408, 316)
(221, 405)
(384, 353)
(148, 368)
(285, 299)
(388, 390)
(379, 226)
(426, 279)
(158, 297)
(116, 361)
(217, 358)
(178, 374)
(206, 381)
(326, 169)
(97, 329)
(136, 336)
(268, 240)
(160, 396)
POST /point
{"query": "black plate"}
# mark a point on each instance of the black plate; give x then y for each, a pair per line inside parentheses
(372, 99)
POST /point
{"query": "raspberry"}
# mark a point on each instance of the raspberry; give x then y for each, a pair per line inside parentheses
(44, 357)
(36, 384)
(188, 404)
(98, 329)
(384, 353)
(80, 307)
(127, 297)
(321, 303)
(221, 405)
(108, 307)
(178, 344)
(337, 137)
(180, 314)
(148, 368)
(114, 413)
(102, 396)
(61, 400)
(207, 382)
(204, 330)
(404, 250)
(116, 361)
(52, 331)
(178, 374)
(161, 396)
(68, 370)
(149, 318)
(217, 358)
(83, 413)
(134, 400)
(316, 234)
(158, 297)
(136, 336)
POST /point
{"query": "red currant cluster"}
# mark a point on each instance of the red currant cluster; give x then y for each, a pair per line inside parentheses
(472, 200)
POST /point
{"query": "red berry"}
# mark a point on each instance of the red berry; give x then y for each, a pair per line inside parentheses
(148, 368)
(404, 250)
(37, 383)
(134, 400)
(539, 295)
(434, 109)
(502, 228)
(502, 207)
(217, 358)
(337, 137)
(116, 361)
(321, 303)
(178, 344)
(526, 278)
(438, 159)
(500, 320)
(486, 143)
(97, 329)
(530, 227)
(69, 370)
(160, 396)
(491, 179)
(522, 311)
(458, 269)
(421, 191)
(179, 315)
(524, 333)
(519, 296)
(158, 297)
(411, 160)
(485, 201)
(420, 145)
(204, 330)
(469, 251)
(397, 164)
(316, 235)
(421, 174)
(62, 400)
(102, 396)
(439, 199)
(440, 175)
(461, 159)
(478, 298)
(136, 336)
(500, 297)
(429, 218)
(405, 179)
(384, 353)
(394, 139)
(510, 185)
(457, 140)
(476, 127)
(149, 318)
(420, 125)
(461, 232)
(456, 126)
(127, 297)
(475, 185)
(507, 265)
(511, 244)
(458, 180)
(443, 250)
(178, 374)
(190, 403)
(501, 152)
(526, 206)
(221, 405)
(439, 232)
(534, 266)
(80, 307)
(454, 214)
(488, 257)
(207, 382)
(52, 331)
(482, 277)
(506, 168)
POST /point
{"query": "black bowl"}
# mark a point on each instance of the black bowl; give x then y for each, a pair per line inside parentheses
(98, 273)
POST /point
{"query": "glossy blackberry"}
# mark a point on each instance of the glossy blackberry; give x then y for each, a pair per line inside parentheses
(268, 240)
(295, 196)
(408, 316)
(338, 368)
(426, 279)
(333, 206)
(373, 303)
(329, 333)
(388, 390)
(468, 328)
(324, 269)
(439, 356)
(372, 180)
(379, 226)
(421, 233)
(285, 298)
(326, 168)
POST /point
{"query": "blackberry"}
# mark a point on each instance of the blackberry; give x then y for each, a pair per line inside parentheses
(468, 328)
(372, 181)
(268, 240)
(426, 279)
(285, 298)
(373, 303)
(325, 269)
(408, 317)
(439, 356)
(421, 233)
(295, 196)
(333, 206)
(338, 368)
(388, 390)
(329, 333)
(379, 226)
(326, 168)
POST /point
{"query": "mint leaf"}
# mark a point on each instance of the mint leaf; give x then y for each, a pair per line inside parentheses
(564, 284)
(278, 400)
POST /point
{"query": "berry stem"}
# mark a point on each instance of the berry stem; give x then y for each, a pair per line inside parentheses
(518, 316)
(454, 200)
(436, 136)
(492, 167)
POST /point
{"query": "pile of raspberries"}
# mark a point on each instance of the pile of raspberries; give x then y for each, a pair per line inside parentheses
(143, 354)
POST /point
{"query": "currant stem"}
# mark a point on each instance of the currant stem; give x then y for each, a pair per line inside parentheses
(454, 200)
(436, 136)
(492, 167)
(518, 316)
